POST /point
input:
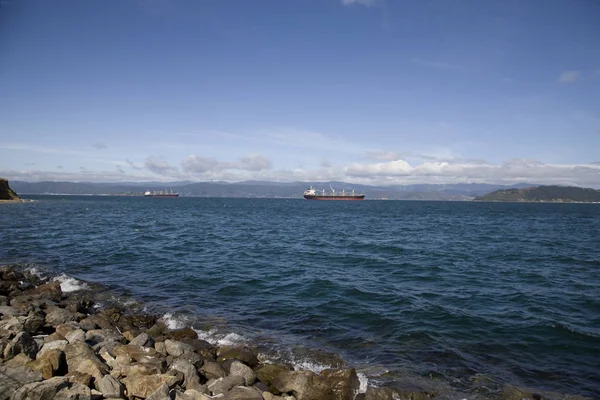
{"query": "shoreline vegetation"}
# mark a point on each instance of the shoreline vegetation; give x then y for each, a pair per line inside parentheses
(57, 345)
(7, 195)
(543, 194)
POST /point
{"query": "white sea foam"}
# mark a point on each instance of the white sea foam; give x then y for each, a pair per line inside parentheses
(306, 365)
(69, 284)
(35, 271)
(220, 339)
(174, 322)
(364, 382)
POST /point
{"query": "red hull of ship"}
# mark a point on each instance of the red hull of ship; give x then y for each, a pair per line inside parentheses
(308, 197)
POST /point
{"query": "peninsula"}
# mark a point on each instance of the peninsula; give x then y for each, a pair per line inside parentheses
(544, 194)
(6, 193)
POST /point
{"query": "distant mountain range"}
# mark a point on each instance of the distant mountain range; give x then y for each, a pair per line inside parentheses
(545, 194)
(261, 189)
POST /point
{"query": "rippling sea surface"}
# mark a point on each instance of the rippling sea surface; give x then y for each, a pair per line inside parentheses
(445, 290)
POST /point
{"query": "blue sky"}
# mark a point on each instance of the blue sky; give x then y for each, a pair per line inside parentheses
(366, 91)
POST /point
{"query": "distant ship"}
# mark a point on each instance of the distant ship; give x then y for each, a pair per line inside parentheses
(312, 194)
(161, 194)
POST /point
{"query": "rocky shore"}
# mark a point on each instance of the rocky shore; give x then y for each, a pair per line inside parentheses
(56, 345)
(7, 195)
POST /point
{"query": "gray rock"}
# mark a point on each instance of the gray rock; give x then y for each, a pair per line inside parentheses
(110, 387)
(34, 322)
(224, 385)
(266, 373)
(80, 357)
(304, 385)
(8, 386)
(44, 390)
(76, 392)
(161, 348)
(51, 363)
(241, 353)
(240, 369)
(56, 316)
(176, 348)
(21, 374)
(11, 311)
(56, 344)
(190, 375)
(161, 393)
(11, 325)
(145, 386)
(22, 343)
(243, 393)
(19, 360)
(143, 339)
(213, 370)
(196, 395)
(103, 336)
(77, 335)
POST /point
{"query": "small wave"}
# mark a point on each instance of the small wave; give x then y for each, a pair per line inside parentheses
(69, 284)
(220, 339)
(174, 322)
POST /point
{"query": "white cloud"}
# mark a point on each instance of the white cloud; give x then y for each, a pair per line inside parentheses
(568, 77)
(379, 155)
(159, 166)
(195, 164)
(367, 3)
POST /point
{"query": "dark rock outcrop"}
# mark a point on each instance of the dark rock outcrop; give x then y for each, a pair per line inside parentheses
(6, 193)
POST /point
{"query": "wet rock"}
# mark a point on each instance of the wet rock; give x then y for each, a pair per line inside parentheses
(51, 363)
(76, 305)
(343, 383)
(110, 387)
(202, 347)
(240, 369)
(56, 316)
(8, 273)
(143, 339)
(224, 385)
(22, 343)
(80, 357)
(188, 370)
(244, 393)
(304, 385)
(176, 348)
(103, 335)
(266, 373)
(145, 385)
(181, 334)
(75, 392)
(93, 322)
(387, 393)
(44, 390)
(212, 370)
(241, 353)
(50, 291)
(77, 335)
(157, 331)
(143, 321)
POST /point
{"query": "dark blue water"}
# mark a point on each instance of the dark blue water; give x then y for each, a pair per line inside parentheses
(441, 289)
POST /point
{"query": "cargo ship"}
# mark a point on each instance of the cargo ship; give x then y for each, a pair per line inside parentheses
(313, 194)
(160, 194)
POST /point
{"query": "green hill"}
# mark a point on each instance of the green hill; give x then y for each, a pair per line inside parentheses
(6, 193)
(549, 194)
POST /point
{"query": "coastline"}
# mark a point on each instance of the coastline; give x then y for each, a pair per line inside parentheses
(57, 334)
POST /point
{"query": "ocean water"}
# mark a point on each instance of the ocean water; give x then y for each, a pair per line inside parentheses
(458, 293)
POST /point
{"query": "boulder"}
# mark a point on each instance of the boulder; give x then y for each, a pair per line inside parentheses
(77, 391)
(19, 360)
(266, 373)
(80, 377)
(11, 311)
(181, 334)
(22, 343)
(50, 291)
(202, 347)
(304, 385)
(161, 393)
(8, 273)
(55, 344)
(77, 335)
(212, 370)
(10, 325)
(44, 390)
(196, 395)
(161, 348)
(95, 321)
(224, 385)
(189, 372)
(34, 322)
(176, 348)
(343, 383)
(64, 329)
(51, 363)
(244, 393)
(54, 336)
(137, 353)
(145, 385)
(103, 336)
(240, 369)
(56, 316)
(80, 357)
(143, 339)
(241, 353)
(110, 387)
